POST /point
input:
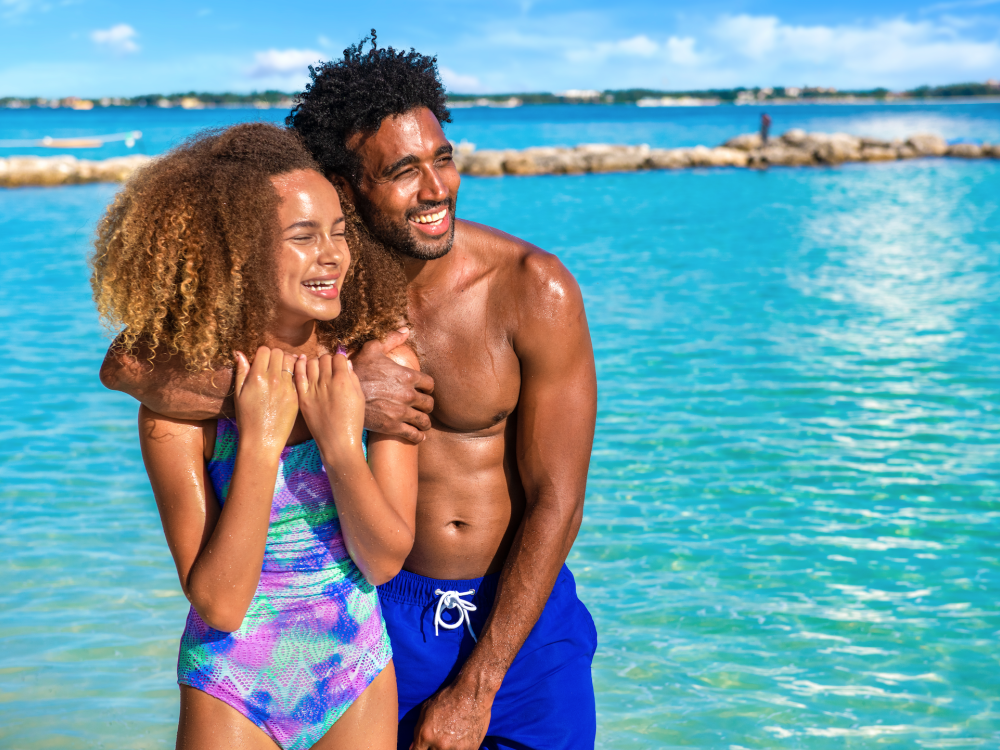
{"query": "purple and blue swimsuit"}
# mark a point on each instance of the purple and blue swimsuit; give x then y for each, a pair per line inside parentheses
(313, 638)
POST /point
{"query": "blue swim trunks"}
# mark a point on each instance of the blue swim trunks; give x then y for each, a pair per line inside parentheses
(546, 701)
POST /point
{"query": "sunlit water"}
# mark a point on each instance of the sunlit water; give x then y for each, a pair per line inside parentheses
(790, 531)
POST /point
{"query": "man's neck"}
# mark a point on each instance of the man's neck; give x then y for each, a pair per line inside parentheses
(423, 276)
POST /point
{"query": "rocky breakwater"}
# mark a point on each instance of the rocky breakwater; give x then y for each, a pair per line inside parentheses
(794, 148)
(22, 171)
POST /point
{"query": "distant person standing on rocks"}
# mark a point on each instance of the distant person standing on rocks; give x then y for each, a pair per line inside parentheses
(765, 128)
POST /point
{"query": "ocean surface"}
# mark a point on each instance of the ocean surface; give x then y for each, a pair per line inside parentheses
(790, 536)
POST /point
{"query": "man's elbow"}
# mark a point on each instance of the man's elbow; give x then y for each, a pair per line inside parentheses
(111, 370)
(558, 512)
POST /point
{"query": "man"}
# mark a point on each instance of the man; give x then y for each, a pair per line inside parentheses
(491, 645)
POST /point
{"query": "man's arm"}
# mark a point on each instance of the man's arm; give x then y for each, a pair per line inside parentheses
(556, 413)
(397, 399)
(166, 386)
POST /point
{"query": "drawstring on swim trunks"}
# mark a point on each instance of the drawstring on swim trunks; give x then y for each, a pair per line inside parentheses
(454, 600)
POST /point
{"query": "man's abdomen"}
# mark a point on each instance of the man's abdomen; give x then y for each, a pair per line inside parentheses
(469, 505)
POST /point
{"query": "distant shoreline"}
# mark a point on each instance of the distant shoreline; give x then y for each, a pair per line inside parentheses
(988, 92)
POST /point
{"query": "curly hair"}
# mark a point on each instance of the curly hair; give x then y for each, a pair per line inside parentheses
(184, 257)
(356, 94)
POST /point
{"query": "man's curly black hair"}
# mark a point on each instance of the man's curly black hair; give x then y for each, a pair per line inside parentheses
(356, 94)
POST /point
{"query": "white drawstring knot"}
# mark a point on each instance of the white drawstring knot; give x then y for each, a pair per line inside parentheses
(454, 600)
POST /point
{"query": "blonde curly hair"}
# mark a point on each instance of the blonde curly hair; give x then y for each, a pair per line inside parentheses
(184, 255)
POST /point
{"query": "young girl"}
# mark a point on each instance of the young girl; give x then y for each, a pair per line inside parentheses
(279, 527)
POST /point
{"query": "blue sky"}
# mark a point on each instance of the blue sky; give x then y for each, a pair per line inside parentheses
(108, 48)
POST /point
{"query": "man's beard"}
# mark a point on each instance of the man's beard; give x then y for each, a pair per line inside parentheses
(402, 237)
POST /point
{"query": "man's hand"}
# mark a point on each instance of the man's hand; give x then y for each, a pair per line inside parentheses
(397, 399)
(453, 719)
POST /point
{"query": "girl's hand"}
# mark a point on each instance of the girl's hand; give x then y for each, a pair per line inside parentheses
(332, 403)
(266, 402)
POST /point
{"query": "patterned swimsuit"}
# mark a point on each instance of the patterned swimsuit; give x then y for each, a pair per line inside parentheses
(313, 638)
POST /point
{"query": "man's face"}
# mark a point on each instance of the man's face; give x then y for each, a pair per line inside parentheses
(409, 184)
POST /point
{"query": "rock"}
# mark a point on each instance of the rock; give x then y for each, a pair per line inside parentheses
(594, 157)
(926, 144)
(521, 163)
(729, 157)
(668, 158)
(602, 158)
(966, 151)
(839, 147)
(460, 152)
(700, 156)
(878, 153)
(486, 163)
(20, 171)
(795, 137)
(745, 142)
(36, 170)
(549, 160)
(794, 148)
(777, 154)
(117, 169)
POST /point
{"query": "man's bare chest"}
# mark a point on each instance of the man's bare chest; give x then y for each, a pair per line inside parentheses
(477, 378)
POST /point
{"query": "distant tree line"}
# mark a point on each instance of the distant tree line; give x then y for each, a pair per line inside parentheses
(270, 98)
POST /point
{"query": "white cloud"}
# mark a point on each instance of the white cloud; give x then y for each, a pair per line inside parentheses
(284, 63)
(637, 46)
(120, 38)
(460, 84)
(878, 51)
(12, 9)
(680, 50)
(750, 36)
(749, 50)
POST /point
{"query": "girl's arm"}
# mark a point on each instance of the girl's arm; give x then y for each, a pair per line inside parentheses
(376, 503)
(219, 553)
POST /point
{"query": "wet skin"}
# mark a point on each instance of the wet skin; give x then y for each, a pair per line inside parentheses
(500, 327)
(293, 390)
(470, 496)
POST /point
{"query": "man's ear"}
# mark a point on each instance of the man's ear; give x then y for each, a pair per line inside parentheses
(344, 185)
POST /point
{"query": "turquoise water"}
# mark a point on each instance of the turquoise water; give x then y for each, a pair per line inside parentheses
(565, 125)
(789, 538)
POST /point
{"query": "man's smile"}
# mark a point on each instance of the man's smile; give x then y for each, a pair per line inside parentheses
(434, 223)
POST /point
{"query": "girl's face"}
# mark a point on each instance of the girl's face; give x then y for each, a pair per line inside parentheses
(312, 255)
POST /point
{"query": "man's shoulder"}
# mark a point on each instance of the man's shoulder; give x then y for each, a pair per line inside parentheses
(532, 269)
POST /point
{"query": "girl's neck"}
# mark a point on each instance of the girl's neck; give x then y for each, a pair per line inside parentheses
(294, 338)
